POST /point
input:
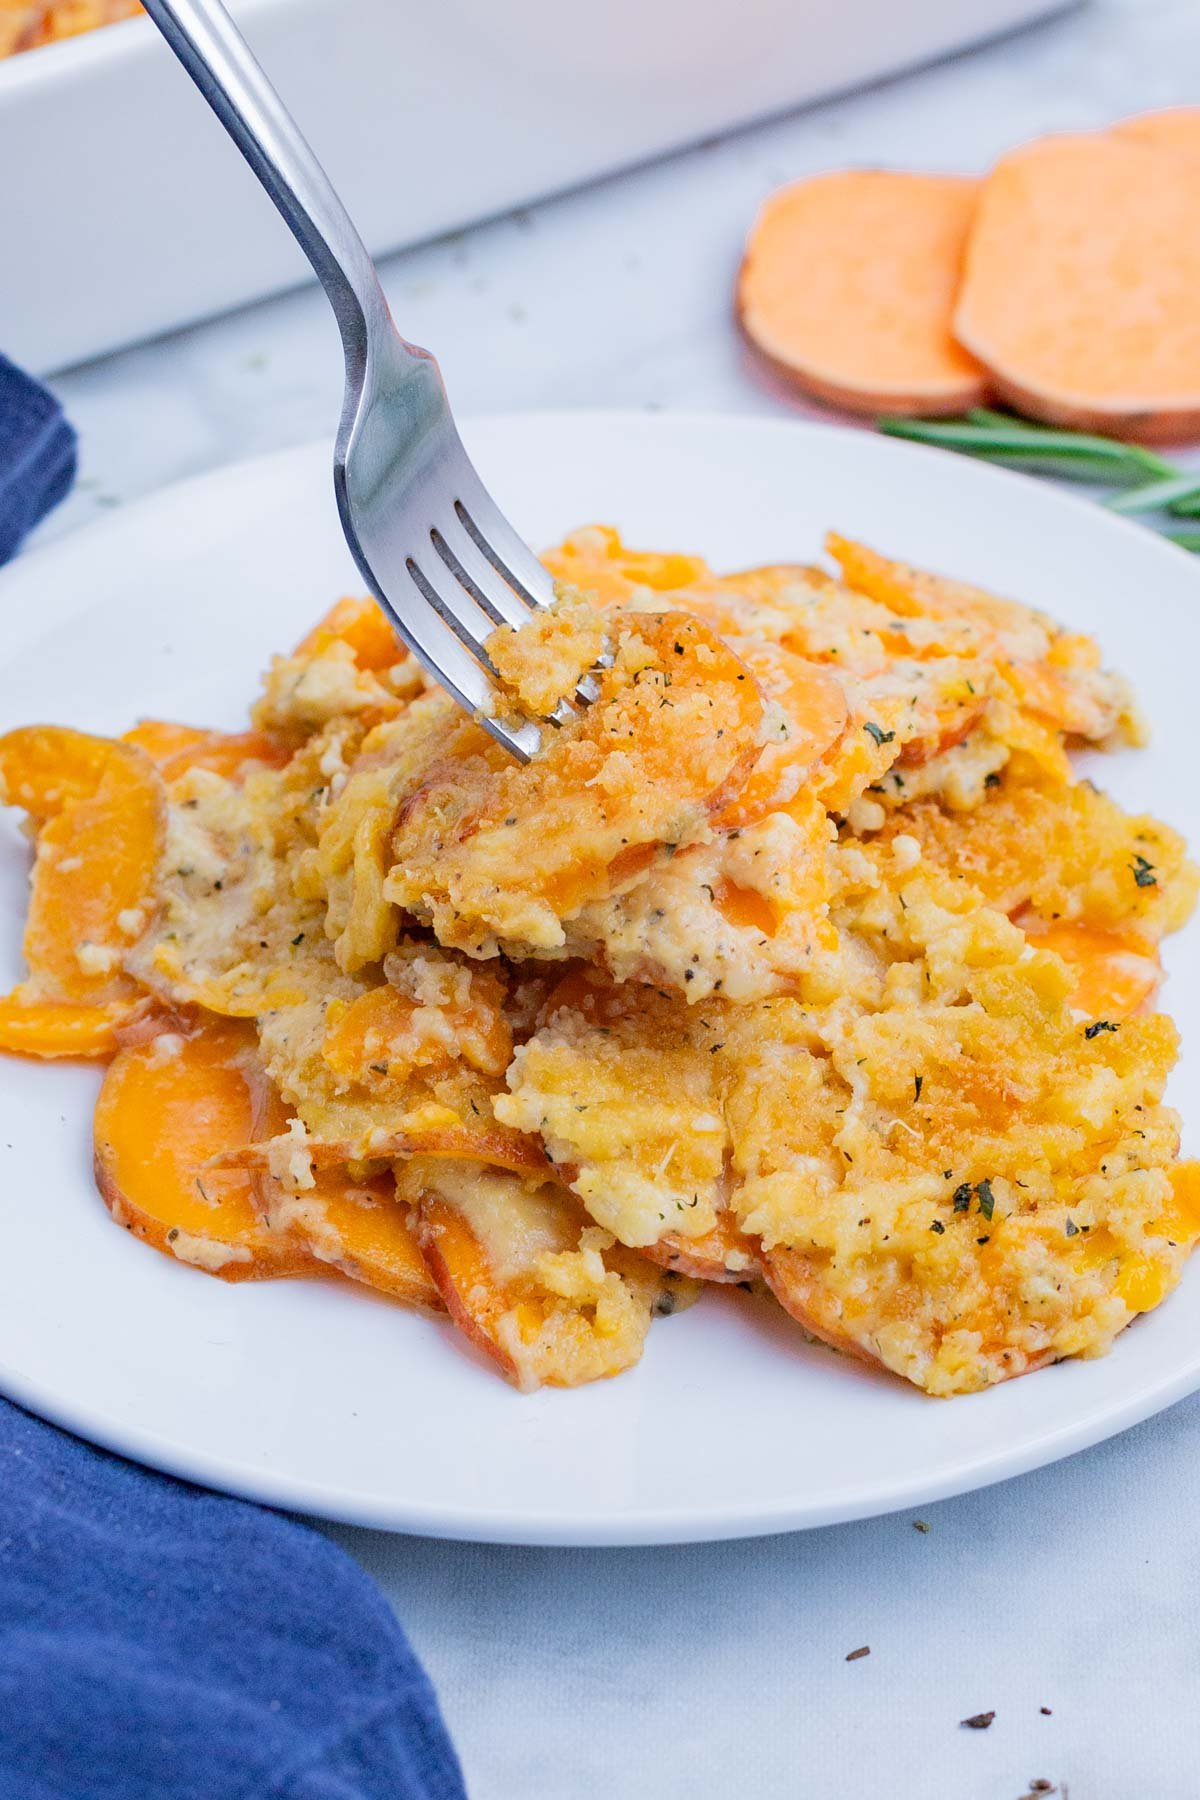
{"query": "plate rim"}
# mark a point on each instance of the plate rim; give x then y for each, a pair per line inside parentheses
(643, 1526)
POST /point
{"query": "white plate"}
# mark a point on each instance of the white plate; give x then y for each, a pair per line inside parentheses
(333, 1403)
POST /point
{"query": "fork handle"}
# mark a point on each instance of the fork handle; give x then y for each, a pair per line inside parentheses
(223, 67)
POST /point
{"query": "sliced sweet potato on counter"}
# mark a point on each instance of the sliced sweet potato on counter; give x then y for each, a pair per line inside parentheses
(101, 812)
(529, 1281)
(166, 1108)
(1078, 291)
(1173, 128)
(848, 288)
(357, 1227)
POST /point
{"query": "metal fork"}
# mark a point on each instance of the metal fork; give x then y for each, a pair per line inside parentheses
(435, 550)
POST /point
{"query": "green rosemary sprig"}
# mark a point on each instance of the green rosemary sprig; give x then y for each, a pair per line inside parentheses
(1145, 482)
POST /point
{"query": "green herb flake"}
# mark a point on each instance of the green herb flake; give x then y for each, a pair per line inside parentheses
(1099, 1025)
(918, 1084)
(878, 733)
(938, 1227)
(1143, 871)
(962, 1198)
(987, 1200)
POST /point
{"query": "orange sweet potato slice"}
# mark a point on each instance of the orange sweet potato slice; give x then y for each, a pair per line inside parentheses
(848, 287)
(492, 1145)
(359, 1228)
(548, 1298)
(178, 748)
(101, 809)
(162, 739)
(227, 753)
(814, 703)
(1173, 128)
(166, 1108)
(52, 1029)
(596, 560)
(1116, 972)
(1078, 292)
(362, 625)
(381, 1033)
(723, 1254)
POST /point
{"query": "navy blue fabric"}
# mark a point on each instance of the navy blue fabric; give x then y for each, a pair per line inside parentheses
(158, 1642)
(37, 455)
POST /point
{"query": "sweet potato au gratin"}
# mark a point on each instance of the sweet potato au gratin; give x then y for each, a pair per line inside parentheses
(799, 960)
(27, 24)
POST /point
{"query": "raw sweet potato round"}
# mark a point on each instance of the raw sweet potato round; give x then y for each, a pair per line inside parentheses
(1079, 288)
(848, 287)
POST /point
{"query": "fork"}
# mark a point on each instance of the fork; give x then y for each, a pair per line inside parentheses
(432, 545)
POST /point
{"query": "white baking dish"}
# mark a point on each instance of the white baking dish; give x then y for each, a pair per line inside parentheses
(124, 210)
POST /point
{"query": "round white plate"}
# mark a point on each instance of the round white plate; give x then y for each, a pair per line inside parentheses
(331, 1402)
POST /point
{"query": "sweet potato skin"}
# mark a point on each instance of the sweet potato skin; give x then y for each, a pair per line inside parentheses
(847, 288)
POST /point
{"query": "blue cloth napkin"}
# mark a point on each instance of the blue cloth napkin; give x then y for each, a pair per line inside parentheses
(158, 1642)
(37, 455)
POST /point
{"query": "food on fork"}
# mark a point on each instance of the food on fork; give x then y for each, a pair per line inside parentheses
(800, 960)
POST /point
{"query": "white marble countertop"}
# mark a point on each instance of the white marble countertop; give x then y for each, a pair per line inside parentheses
(712, 1672)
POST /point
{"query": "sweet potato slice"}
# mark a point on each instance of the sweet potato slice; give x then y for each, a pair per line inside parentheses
(166, 1108)
(813, 704)
(723, 1254)
(1116, 972)
(357, 1227)
(1078, 292)
(1173, 128)
(101, 811)
(848, 287)
(178, 748)
(595, 560)
(162, 739)
(526, 1278)
(362, 625)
